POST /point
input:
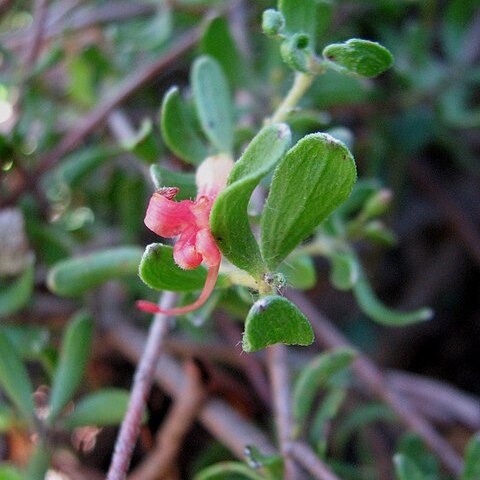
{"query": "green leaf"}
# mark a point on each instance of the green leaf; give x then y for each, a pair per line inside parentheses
(73, 359)
(297, 52)
(163, 177)
(312, 180)
(51, 243)
(299, 272)
(299, 16)
(221, 471)
(218, 42)
(14, 379)
(102, 408)
(229, 218)
(314, 376)
(458, 15)
(81, 86)
(377, 311)
(212, 100)
(472, 459)
(328, 410)
(78, 165)
(272, 465)
(10, 472)
(274, 319)
(361, 417)
(159, 271)
(8, 420)
(345, 271)
(29, 340)
(128, 198)
(72, 277)
(412, 447)
(15, 296)
(38, 464)
(143, 143)
(178, 129)
(406, 469)
(360, 57)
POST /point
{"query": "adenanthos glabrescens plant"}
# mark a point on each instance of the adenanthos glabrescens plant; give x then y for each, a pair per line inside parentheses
(309, 195)
(259, 189)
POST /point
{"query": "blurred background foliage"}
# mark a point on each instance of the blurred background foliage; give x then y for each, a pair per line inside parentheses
(79, 130)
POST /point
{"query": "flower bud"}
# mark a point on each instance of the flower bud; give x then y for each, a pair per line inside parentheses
(272, 22)
(296, 52)
(212, 174)
(377, 204)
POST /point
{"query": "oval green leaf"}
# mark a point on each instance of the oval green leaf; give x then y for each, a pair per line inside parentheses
(472, 459)
(143, 143)
(10, 472)
(213, 102)
(406, 469)
(314, 376)
(14, 379)
(38, 465)
(160, 272)
(77, 166)
(178, 129)
(376, 310)
(299, 272)
(72, 277)
(162, 177)
(72, 362)
(345, 270)
(360, 57)
(102, 408)
(314, 178)
(274, 319)
(223, 470)
(15, 296)
(229, 219)
(218, 42)
(299, 16)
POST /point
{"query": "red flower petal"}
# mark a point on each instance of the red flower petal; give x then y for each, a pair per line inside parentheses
(168, 218)
(185, 252)
(207, 247)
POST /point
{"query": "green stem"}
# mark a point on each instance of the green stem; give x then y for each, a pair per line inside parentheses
(300, 85)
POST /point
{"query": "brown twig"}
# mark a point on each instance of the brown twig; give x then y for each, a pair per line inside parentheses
(224, 423)
(141, 387)
(330, 337)
(281, 397)
(170, 437)
(39, 17)
(306, 457)
(436, 399)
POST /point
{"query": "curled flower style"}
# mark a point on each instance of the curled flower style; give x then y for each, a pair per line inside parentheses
(188, 220)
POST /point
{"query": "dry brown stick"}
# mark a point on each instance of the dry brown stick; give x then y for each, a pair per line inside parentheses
(330, 337)
(224, 423)
(436, 398)
(142, 383)
(32, 51)
(306, 457)
(281, 399)
(39, 17)
(177, 424)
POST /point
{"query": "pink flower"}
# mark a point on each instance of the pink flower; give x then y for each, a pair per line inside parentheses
(188, 220)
